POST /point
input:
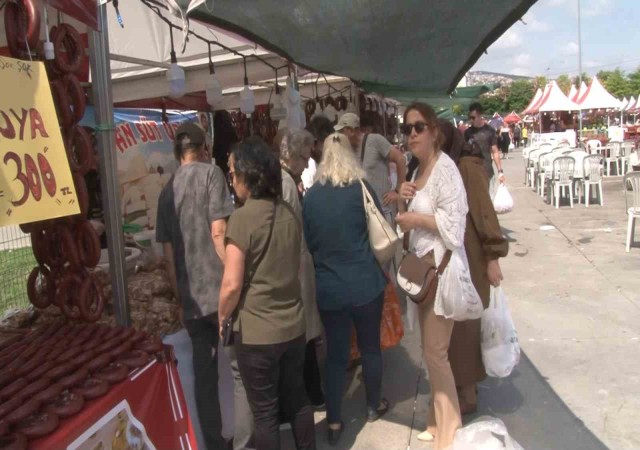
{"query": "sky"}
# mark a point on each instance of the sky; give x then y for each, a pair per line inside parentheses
(548, 43)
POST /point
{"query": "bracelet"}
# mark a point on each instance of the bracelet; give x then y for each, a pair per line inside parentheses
(500, 171)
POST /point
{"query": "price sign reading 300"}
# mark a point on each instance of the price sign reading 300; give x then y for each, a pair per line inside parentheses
(35, 179)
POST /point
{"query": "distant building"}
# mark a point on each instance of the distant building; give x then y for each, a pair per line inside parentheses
(480, 77)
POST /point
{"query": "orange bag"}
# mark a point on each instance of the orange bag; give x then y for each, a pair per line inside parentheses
(391, 326)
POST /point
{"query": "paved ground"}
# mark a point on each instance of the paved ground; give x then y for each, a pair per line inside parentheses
(575, 297)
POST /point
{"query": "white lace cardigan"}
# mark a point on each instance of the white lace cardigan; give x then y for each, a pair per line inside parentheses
(445, 198)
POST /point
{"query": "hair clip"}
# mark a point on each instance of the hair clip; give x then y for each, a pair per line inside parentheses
(336, 137)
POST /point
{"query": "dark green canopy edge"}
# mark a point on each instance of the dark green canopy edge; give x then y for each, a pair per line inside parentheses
(226, 15)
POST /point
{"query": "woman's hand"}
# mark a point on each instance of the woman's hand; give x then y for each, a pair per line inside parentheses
(407, 221)
(408, 190)
(494, 273)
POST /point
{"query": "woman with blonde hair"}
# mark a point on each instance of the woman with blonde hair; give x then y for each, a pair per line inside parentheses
(349, 281)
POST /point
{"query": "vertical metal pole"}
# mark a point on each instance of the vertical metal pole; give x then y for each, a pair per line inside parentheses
(103, 104)
(579, 69)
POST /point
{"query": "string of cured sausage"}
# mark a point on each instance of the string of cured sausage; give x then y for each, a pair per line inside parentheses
(65, 249)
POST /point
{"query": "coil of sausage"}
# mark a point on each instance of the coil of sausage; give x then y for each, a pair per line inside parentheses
(68, 49)
(15, 441)
(88, 244)
(38, 425)
(22, 27)
(92, 388)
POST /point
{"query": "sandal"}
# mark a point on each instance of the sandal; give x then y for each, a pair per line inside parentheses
(375, 414)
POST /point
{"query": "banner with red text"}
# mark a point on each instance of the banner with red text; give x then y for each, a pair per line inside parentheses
(35, 179)
(144, 153)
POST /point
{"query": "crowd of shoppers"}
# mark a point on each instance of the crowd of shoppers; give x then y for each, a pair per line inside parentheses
(287, 273)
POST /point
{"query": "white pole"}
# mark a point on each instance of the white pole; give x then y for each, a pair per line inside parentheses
(579, 68)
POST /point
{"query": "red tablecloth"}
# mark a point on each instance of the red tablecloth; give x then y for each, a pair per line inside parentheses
(148, 407)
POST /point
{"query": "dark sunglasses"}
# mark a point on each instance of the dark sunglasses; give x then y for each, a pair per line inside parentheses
(407, 128)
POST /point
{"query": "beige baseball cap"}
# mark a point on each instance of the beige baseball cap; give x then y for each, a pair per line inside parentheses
(349, 120)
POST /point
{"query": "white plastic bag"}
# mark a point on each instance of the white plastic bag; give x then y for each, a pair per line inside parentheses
(502, 202)
(484, 433)
(499, 344)
(457, 297)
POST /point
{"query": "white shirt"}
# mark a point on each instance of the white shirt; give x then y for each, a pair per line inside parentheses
(309, 174)
(444, 197)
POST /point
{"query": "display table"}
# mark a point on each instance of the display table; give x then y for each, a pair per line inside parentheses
(145, 411)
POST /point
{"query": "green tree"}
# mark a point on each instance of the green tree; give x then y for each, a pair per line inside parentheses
(586, 78)
(564, 83)
(540, 82)
(518, 95)
(634, 82)
(491, 103)
(458, 109)
(615, 82)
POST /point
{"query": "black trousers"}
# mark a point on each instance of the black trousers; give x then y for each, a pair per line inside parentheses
(273, 377)
(312, 378)
(204, 339)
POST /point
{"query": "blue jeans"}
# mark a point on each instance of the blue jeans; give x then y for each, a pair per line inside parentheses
(338, 325)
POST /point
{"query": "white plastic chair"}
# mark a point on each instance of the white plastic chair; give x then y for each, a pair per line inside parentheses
(532, 167)
(594, 146)
(634, 160)
(545, 172)
(592, 166)
(525, 157)
(562, 179)
(633, 211)
(615, 149)
(627, 149)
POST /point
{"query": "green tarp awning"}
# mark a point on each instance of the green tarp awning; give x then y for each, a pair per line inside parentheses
(411, 44)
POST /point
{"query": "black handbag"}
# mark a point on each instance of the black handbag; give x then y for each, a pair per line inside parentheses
(227, 325)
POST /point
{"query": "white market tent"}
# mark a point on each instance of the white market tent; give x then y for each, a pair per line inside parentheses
(597, 97)
(140, 56)
(630, 104)
(580, 93)
(534, 101)
(624, 103)
(554, 100)
(572, 93)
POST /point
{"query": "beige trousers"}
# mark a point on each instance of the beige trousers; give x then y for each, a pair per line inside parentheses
(443, 418)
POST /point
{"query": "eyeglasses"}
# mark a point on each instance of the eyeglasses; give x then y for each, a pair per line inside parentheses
(407, 128)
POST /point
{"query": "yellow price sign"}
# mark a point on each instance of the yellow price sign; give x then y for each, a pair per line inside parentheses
(35, 179)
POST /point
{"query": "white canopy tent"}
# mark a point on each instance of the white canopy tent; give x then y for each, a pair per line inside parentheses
(630, 104)
(534, 101)
(572, 93)
(140, 56)
(554, 100)
(597, 97)
(580, 93)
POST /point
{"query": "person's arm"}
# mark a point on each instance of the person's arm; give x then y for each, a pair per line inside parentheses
(395, 156)
(482, 214)
(167, 248)
(495, 154)
(220, 208)
(232, 281)
(218, 231)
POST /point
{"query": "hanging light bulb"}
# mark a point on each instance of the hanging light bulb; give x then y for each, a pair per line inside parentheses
(278, 112)
(213, 88)
(175, 74)
(247, 99)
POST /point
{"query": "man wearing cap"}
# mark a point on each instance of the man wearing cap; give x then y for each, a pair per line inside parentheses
(375, 153)
(192, 214)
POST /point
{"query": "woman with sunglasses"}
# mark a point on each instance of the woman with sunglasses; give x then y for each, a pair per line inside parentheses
(436, 206)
